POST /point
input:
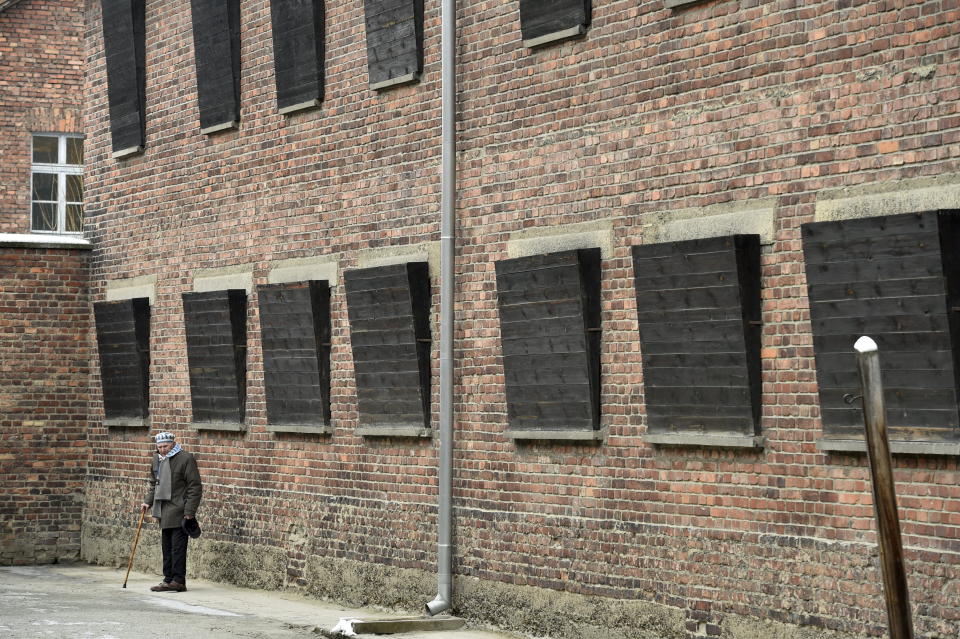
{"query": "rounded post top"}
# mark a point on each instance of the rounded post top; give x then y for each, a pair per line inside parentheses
(865, 345)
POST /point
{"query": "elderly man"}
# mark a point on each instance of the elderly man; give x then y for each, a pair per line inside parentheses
(174, 497)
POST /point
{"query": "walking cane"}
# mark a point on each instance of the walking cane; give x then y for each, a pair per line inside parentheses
(133, 549)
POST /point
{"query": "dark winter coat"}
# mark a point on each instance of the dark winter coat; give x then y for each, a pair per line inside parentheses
(186, 489)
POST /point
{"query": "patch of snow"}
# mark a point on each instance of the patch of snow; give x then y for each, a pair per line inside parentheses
(344, 627)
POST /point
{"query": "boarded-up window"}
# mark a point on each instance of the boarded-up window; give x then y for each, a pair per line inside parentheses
(543, 21)
(894, 279)
(123, 341)
(217, 354)
(298, 52)
(394, 41)
(550, 329)
(216, 46)
(389, 310)
(124, 48)
(698, 306)
(295, 328)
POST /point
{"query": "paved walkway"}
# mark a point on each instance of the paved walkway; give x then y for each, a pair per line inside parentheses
(79, 601)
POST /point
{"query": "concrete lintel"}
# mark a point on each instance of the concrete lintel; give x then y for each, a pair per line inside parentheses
(557, 435)
(752, 218)
(222, 279)
(548, 38)
(701, 440)
(891, 198)
(386, 430)
(302, 429)
(235, 427)
(44, 241)
(300, 106)
(131, 288)
(400, 79)
(385, 256)
(127, 152)
(304, 269)
(536, 241)
(223, 126)
(940, 449)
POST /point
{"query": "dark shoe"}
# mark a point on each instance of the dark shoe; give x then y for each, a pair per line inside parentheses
(163, 586)
(177, 587)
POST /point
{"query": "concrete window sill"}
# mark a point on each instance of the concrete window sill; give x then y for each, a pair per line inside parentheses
(397, 81)
(127, 422)
(394, 431)
(699, 440)
(235, 427)
(122, 154)
(303, 429)
(297, 108)
(44, 240)
(941, 449)
(680, 4)
(557, 435)
(556, 36)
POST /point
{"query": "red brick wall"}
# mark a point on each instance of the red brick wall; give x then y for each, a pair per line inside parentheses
(653, 111)
(41, 90)
(44, 372)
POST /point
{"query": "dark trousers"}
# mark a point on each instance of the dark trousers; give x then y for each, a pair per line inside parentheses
(173, 542)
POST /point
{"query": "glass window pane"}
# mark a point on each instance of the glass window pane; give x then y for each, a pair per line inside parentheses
(74, 150)
(45, 186)
(44, 217)
(74, 218)
(46, 149)
(74, 188)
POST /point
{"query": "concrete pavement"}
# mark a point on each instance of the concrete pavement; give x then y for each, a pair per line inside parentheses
(78, 600)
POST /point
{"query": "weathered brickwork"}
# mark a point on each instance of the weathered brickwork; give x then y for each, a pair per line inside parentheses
(653, 116)
(41, 89)
(44, 313)
(44, 374)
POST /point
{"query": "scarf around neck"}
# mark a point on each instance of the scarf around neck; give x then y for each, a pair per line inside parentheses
(164, 484)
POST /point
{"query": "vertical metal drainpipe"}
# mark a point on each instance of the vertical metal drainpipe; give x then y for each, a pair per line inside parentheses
(444, 599)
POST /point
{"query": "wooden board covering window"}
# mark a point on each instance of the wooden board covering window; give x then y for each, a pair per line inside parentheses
(550, 330)
(124, 51)
(216, 352)
(539, 18)
(295, 335)
(893, 278)
(389, 311)
(123, 341)
(216, 45)
(698, 306)
(394, 40)
(298, 41)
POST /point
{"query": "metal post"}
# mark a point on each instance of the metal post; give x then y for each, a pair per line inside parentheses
(448, 125)
(884, 496)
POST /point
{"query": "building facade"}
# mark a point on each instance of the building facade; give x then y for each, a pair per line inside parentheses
(45, 325)
(673, 219)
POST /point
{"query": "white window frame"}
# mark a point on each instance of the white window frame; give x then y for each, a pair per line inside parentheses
(62, 170)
